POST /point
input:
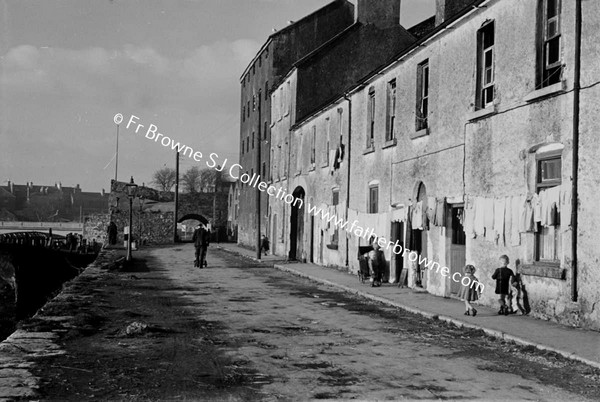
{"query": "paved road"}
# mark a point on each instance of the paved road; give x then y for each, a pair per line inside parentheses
(236, 331)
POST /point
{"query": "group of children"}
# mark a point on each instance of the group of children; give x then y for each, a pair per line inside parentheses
(508, 286)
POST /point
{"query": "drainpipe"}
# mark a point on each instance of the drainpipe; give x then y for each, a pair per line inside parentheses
(574, 198)
(348, 173)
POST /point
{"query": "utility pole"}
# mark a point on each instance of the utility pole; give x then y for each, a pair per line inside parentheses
(575, 162)
(117, 155)
(258, 172)
(176, 197)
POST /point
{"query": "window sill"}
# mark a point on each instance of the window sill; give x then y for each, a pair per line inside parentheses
(389, 143)
(297, 173)
(481, 113)
(332, 246)
(544, 269)
(420, 133)
(325, 165)
(312, 168)
(368, 150)
(545, 92)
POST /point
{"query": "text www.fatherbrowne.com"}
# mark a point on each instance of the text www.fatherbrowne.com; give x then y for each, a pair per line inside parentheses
(152, 134)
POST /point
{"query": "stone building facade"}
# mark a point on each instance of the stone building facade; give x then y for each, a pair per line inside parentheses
(273, 61)
(473, 126)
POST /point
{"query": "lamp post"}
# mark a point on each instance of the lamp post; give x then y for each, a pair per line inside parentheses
(131, 189)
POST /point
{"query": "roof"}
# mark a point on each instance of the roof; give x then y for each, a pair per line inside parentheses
(4, 193)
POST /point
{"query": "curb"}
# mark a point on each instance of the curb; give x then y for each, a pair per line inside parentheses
(457, 322)
(253, 259)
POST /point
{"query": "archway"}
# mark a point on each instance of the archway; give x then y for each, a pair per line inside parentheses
(297, 225)
(187, 224)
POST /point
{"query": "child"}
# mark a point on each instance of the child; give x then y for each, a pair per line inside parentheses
(265, 244)
(503, 276)
(468, 292)
(375, 260)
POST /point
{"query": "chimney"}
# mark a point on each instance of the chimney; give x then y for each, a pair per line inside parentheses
(10, 186)
(381, 13)
(446, 9)
(103, 193)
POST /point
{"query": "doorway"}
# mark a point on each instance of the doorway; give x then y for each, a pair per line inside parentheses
(455, 232)
(396, 260)
(297, 225)
(419, 237)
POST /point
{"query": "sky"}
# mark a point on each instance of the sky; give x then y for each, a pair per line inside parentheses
(68, 66)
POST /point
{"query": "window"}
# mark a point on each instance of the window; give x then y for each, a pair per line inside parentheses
(335, 200)
(259, 60)
(328, 136)
(280, 111)
(547, 238)
(267, 52)
(264, 170)
(287, 104)
(283, 151)
(341, 121)
(373, 205)
(253, 140)
(371, 118)
(549, 33)
(313, 145)
(242, 147)
(253, 102)
(247, 143)
(266, 90)
(248, 109)
(265, 130)
(253, 68)
(243, 113)
(299, 154)
(391, 110)
(422, 95)
(485, 66)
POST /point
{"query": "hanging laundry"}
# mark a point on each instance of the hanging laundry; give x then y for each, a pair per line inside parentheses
(440, 212)
(417, 217)
(479, 222)
(536, 204)
(332, 154)
(488, 216)
(469, 217)
(408, 240)
(499, 208)
(543, 196)
(527, 223)
(515, 210)
(398, 215)
(431, 207)
(552, 199)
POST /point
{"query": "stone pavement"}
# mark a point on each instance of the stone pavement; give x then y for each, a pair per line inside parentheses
(26, 346)
(573, 343)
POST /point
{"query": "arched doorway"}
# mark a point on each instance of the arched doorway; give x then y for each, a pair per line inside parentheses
(187, 224)
(297, 225)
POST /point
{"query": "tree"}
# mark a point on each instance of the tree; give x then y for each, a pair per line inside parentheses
(191, 179)
(208, 178)
(164, 179)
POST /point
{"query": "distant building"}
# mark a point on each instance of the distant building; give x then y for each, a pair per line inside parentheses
(41, 203)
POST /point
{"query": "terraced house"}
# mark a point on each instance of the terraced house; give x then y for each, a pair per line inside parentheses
(468, 136)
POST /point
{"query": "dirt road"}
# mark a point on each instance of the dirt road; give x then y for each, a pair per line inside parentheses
(234, 331)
